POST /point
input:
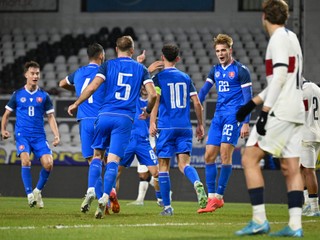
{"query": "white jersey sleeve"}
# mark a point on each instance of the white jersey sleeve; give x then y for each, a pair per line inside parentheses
(284, 51)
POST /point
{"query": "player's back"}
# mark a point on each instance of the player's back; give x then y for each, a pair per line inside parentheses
(30, 108)
(81, 78)
(311, 99)
(123, 78)
(176, 89)
(284, 49)
(140, 127)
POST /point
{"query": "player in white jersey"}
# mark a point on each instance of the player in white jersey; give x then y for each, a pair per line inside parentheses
(278, 130)
(311, 146)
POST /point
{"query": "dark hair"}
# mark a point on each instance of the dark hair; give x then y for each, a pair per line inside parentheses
(31, 64)
(276, 11)
(94, 50)
(125, 43)
(222, 39)
(170, 51)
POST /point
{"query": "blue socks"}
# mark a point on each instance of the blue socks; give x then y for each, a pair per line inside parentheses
(95, 170)
(26, 178)
(225, 174)
(211, 175)
(98, 188)
(43, 178)
(191, 173)
(165, 186)
(110, 176)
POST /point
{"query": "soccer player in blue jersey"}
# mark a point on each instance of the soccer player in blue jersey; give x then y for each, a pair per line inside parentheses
(88, 110)
(140, 146)
(30, 104)
(122, 78)
(234, 88)
(174, 129)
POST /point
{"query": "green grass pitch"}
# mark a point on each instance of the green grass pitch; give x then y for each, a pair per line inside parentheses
(62, 219)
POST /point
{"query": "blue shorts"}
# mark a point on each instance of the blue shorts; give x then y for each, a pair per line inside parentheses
(139, 146)
(86, 127)
(173, 141)
(38, 145)
(112, 131)
(224, 129)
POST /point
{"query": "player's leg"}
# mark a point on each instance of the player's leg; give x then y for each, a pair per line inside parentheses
(308, 159)
(27, 178)
(23, 151)
(255, 184)
(192, 175)
(165, 186)
(42, 151)
(154, 171)
(210, 156)
(119, 141)
(216, 201)
(290, 167)
(147, 164)
(165, 150)
(117, 184)
(144, 178)
(47, 164)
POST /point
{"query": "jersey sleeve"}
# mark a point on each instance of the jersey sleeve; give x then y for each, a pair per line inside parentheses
(244, 76)
(12, 104)
(102, 72)
(156, 84)
(48, 106)
(210, 77)
(280, 51)
(146, 76)
(193, 90)
(70, 78)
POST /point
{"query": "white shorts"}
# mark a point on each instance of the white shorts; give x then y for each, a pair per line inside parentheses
(142, 168)
(309, 154)
(282, 139)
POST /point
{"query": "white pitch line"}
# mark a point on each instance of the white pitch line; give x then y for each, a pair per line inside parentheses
(130, 225)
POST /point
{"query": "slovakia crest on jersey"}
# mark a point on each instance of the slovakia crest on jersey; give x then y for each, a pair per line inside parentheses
(23, 99)
(21, 147)
(217, 74)
(231, 75)
(39, 99)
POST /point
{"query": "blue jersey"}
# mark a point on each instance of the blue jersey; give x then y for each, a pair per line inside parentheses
(140, 127)
(30, 108)
(175, 89)
(81, 78)
(123, 79)
(229, 82)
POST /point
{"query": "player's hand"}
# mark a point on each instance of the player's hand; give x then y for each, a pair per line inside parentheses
(153, 129)
(261, 123)
(244, 110)
(157, 65)
(144, 115)
(56, 141)
(72, 108)
(200, 132)
(245, 129)
(5, 134)
(142, 57)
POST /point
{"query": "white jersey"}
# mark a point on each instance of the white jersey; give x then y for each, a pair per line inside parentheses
(311, 99)
(284, 50)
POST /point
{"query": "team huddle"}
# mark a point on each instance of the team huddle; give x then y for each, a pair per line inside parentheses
(119, 105)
